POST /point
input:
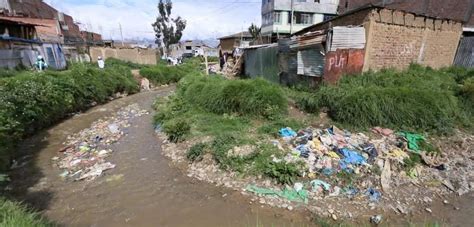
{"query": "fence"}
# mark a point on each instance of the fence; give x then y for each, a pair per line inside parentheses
(262, 62)
(465, 54)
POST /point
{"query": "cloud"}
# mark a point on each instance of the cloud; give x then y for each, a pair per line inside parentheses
(205, 18)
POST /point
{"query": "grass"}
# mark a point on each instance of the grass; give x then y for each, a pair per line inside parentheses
(13, 214)
(419, 99)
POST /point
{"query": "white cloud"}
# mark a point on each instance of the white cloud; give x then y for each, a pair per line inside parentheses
(205, 19)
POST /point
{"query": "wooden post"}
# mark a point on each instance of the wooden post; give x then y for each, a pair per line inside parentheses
(205, 59)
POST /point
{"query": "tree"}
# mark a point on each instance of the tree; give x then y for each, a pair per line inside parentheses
(168, 30)
(255, 31)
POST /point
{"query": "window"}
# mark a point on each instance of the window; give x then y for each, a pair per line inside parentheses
(303, 18)
(189, 48)
(277, 17)
(267, 19)
(328, 17)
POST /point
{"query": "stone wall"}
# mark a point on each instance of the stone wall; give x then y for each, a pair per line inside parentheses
(397, 39)
(139, 56)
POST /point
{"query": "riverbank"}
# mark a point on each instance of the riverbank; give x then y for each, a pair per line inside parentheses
(219, 133)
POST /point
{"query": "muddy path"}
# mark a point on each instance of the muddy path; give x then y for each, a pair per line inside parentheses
(143, 190)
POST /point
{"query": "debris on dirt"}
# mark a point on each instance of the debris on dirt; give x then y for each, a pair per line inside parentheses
(347, 172)
(83, 157)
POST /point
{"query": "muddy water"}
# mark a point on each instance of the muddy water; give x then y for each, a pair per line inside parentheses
(143, 190)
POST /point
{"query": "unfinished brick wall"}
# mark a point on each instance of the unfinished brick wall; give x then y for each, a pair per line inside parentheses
(396, 39)
(139, 56)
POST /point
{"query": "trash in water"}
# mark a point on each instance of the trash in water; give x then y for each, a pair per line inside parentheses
(84, 154)
(113, 128)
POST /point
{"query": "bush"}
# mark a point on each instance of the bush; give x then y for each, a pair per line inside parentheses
(176, 129)
(32, 101)
(15, 214)
(418, 98)
(245, 97)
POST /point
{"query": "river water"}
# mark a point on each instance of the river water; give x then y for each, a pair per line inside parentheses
(149, 192)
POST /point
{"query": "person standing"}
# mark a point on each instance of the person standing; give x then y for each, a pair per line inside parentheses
(101, 62)
(40, 64)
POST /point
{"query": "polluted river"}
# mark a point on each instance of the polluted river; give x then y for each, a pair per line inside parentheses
(144, 189)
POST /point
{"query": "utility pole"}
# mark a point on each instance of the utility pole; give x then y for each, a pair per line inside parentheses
(121, 33)
(292, 17)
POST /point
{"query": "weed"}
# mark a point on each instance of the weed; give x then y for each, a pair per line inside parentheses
(411, 161)
(196, 152)
(176, 129)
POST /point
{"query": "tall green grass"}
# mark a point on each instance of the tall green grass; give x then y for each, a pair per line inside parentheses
(244, 97)
(13, 214)
(418, 98)
(164, 74)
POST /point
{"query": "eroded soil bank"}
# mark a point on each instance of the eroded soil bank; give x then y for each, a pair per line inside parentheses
(142, 190)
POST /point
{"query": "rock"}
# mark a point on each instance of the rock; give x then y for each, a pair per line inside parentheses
(427, 199)
(429, 210)
(448, 184)
(334, 217)
(290, 208)
(446, 202)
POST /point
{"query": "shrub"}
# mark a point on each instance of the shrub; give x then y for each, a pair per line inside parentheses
(32, 101)
(245, 97)
(196, 152)
(176, 129)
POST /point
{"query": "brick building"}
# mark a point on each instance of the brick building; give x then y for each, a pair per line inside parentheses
(459, 10)
(395, 38)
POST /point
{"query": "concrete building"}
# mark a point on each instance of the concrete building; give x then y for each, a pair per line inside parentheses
(276, 15)
(191, 48)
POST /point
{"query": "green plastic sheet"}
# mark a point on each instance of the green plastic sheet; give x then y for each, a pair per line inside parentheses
(289, 194)
(413, 140)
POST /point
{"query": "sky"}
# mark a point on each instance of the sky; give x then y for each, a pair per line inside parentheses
(205, 18)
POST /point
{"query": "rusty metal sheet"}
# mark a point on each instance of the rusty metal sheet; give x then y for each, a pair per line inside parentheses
(343, 62)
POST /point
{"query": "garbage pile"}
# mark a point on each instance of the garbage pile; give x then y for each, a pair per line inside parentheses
(84, 155)
(340, 162)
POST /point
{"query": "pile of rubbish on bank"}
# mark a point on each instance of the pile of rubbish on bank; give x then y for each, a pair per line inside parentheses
(342, 163)
(84, 155)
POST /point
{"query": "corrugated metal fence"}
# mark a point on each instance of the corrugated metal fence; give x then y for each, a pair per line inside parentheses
(465, 55)
(262, 62)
